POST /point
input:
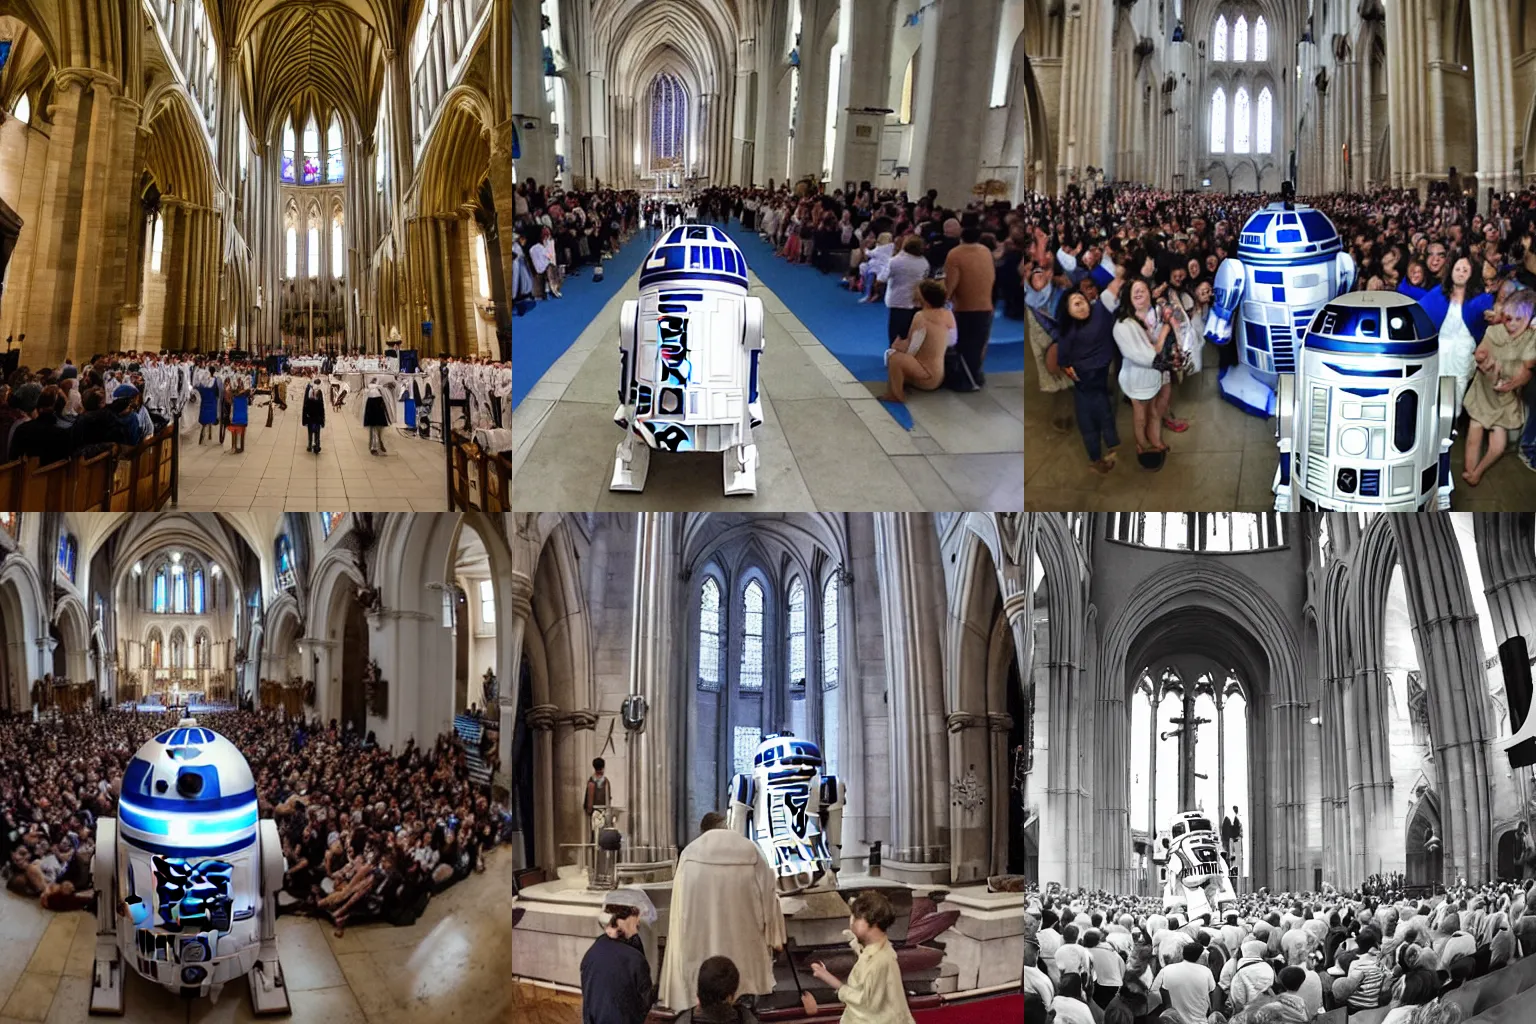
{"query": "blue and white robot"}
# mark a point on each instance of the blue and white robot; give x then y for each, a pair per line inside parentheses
(688, 359)
(1366, 421)
(1290, 261)
(188, 875)
(1197, 880)
(792, 812)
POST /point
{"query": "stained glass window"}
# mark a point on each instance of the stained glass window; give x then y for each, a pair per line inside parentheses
(1219, 40)
(285, 576)
(67, 551)
(334, 168)
(829, 648)
(746, 739)
(199, 593)
(311, 152)
(752, 638)
(10, 522)
(669, 120)
(797, 635)
(709, 635)
(330, 520)
(1240, 39)
(178, 590)
(1219, 121)
(1260, 39)
(161, 602)
(287, 165)
(1242, 122)
(1264, 121)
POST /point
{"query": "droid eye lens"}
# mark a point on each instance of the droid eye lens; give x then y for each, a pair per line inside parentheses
(160, 786)
(189, 784)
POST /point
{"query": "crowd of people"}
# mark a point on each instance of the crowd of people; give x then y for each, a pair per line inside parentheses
(1086, 255)
(1095, 957)
(368, 834)
(558, 233)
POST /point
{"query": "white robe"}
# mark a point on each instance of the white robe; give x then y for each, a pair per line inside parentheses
(724, 903)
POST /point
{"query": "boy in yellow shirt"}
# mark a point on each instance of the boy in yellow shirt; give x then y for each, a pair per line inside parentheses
(873, 993)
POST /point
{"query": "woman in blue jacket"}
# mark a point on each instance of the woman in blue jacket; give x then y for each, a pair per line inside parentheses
(1457, 307)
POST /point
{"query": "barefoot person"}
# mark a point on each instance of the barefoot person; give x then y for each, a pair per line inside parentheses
(1504, 360)
(918, 358)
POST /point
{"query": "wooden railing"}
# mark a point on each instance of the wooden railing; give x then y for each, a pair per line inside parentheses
(119, 479)
(480, 480)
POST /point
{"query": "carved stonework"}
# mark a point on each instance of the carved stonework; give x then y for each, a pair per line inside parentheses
(967, 791)
(965, 720)
(1010, 530)
(542, 717)
(999, 721)
(580, 720)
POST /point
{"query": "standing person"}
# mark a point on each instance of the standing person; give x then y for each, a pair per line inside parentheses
(873, 993)
(1187, 987)
(615, 979)
(1085, 351)
(907, 268)
(375, 416)
(969, 276)
(239, 412)
(1457, 309)
(208, 404)
(314, 412)
(1143, 383)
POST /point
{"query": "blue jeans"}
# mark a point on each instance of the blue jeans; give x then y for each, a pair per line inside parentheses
(1528, 435)
(1095, 411)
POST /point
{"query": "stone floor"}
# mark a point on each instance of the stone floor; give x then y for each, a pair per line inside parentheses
(451, 964)
(825, 442)
(1225, 462)
(532, 1004)
(277, 472)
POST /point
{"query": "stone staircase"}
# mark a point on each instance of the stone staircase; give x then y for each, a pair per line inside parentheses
(470, 729)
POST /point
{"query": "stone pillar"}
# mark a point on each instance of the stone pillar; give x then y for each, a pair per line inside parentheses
(744, 114)
(1446, 635)
(863, 89)
(952, 98)
(541, 720)
(651, 849)
(970, 766)
(1084, 128)
(529, 104)
(519, 610)
(1509, 573)
(596, 158)
(912, 612)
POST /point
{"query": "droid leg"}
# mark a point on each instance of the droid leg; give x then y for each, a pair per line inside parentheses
(631, 463)
(741, 470)
(269, 993)
(107, 974)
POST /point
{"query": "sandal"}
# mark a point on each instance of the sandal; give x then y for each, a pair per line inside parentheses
(1177, 426)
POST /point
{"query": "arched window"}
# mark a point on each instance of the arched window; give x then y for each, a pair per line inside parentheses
(202, 650)
(381, 158)
(313, 263)
(751, 676)
(1219, 40)
(1218, 532)
(23, 109)
(1240, 40)
(284, 557)
(335, 169)
(161, 602)
(709, 635)
(156, 243)
(156, 649)
(69, 548)
(1242, 123)
(178, 649)
(796, 677)
(311, 152)
(338, 252)
(424, 31)
(293, 252)
(669, 121)
(199, 593)
(329, 521)
(178, 589)
(1219, 121)
(1263, 121)
(1260, 39)
(287, 164)
(829, 674)
(482, 266)
(906, 91)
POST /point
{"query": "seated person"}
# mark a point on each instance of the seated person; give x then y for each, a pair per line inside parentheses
(918, 357)
(718, 979)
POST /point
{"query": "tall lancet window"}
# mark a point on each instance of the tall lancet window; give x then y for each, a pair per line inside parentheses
(1264, 121)
(314, 242)
(292, 262)
(709, 635)
(334, 168)
(796, 680)
(1260, 39)
(1219, 40)
(311, 152)
(1242, 123)
(829, 673)
(752, 637)
(1219, 121)
(1240, 39)
(287, 165)
(157, 243)
(338, 252)
(669, 121)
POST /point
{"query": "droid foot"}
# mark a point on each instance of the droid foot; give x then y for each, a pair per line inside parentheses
(269, 993)
(107, 979)
(1248, 390)
(631, 464)
(741, 470)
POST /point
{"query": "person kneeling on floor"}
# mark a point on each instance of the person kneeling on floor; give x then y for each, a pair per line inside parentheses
(718, 980)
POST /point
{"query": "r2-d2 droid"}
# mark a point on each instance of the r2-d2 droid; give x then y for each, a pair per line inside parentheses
(187, 876)
(1289, 262)
(1196, 879)
(1366, 421)
(688, 359)
(792, 812)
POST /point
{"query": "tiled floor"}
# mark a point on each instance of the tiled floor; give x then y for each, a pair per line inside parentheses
(450, 965)
(534, 1005)
(1225, 462)
(277, 472)
(825, 443)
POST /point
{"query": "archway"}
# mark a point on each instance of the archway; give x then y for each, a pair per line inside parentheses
(1023, 857)
(1425, 865)
(354, 663)
(1509, 854)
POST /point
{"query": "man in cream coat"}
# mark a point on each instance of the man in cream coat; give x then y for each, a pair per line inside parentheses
(724, 903)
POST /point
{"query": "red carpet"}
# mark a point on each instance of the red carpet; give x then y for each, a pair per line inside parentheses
(1001, 1010)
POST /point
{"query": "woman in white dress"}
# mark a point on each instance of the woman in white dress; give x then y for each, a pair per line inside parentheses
(1141, 332)
(543, 257)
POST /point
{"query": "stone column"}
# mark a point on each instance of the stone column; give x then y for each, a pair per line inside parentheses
(651, 849)
(1450, 652)
(744, 114)
(529, 104)
(912, 612)
(518, 611)
(1506, 553)
(952, 98)
(1084, 128)
(970, 766)
(597, 132)
(541, 720)
(863, 89)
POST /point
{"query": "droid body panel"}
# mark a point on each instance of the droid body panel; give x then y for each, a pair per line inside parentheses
(189, 875)
(688, 359)
(792, 811)
(1366, 422)
(1289, 263)
(1197, 880)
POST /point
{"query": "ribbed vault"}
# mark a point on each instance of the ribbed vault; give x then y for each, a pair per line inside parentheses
(175, 152)
(457, 154)
(307, 56)
(703, 32)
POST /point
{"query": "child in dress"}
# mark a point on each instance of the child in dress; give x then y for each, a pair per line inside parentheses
(1494, 406)
(873, 993)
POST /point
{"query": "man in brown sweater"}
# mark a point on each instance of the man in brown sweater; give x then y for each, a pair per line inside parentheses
(969, 274)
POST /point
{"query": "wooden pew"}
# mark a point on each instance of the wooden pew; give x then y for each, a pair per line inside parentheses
(11, 475)
(45, 488)
(482, 480)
